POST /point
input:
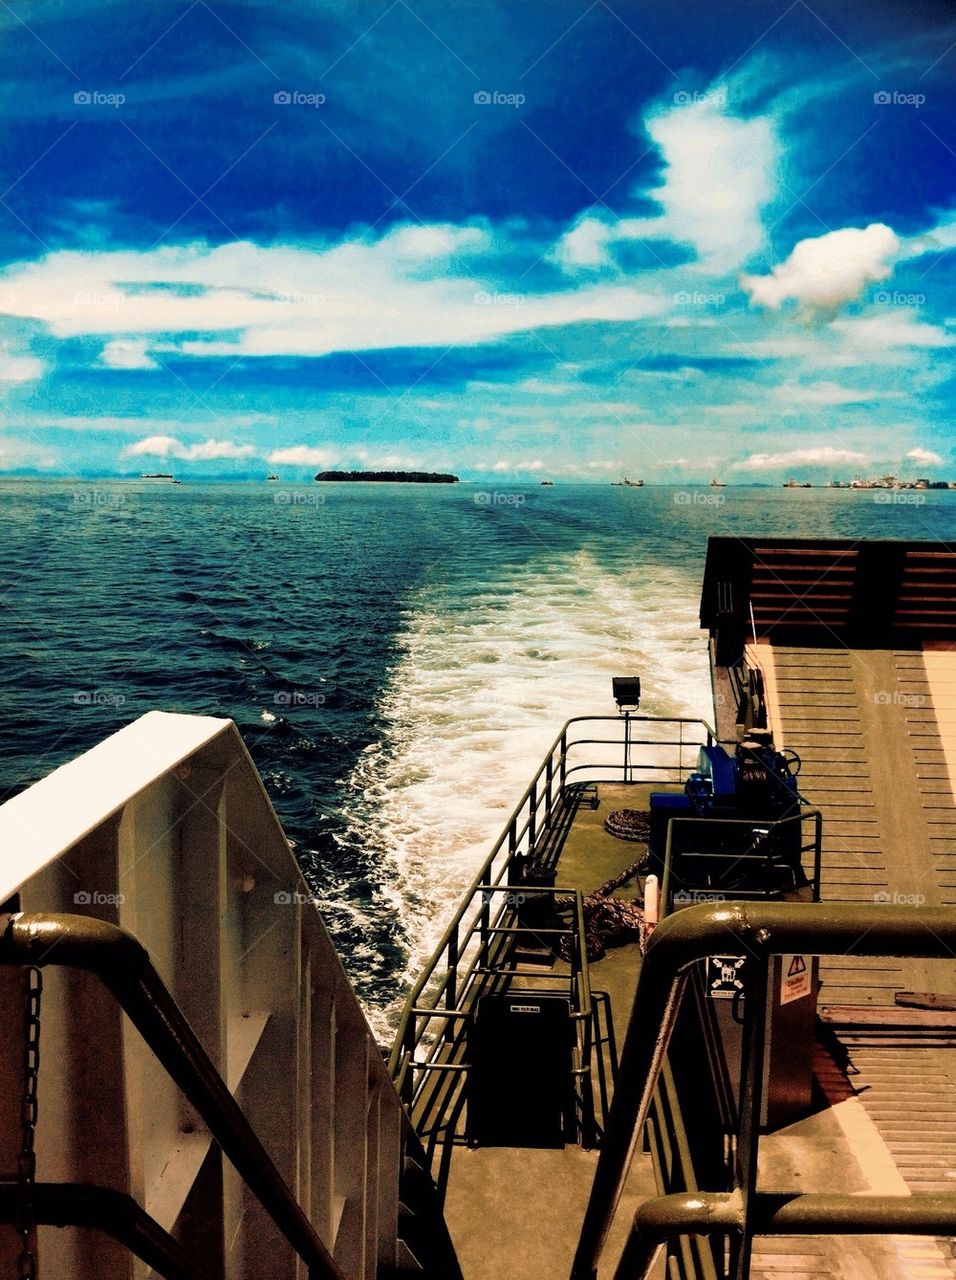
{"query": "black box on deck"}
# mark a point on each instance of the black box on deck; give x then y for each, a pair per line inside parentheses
(519, 1082)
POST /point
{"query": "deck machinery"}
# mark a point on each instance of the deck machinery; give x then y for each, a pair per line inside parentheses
(759, 1083)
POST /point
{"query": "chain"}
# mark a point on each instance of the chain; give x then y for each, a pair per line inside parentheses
(26, 1163)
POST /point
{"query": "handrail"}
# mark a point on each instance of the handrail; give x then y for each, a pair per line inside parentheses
(762, 929)
(771, 1213)
(555, 772)
(768, 825)
(116, 1214)
(123, 965)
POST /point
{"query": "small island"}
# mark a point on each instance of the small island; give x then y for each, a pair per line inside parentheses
(390, 477)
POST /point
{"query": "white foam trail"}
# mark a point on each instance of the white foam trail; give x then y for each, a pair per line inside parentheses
(483, 686)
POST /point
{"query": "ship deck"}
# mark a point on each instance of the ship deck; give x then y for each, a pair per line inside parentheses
(876, 731)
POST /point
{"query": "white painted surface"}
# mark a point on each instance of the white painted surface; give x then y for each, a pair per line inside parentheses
(58, 811)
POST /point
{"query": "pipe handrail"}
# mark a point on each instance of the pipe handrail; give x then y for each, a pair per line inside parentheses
(777, 1214)
(769, 825)
(762, 929)
(123, 965)
(116, 1214)
(563, 745)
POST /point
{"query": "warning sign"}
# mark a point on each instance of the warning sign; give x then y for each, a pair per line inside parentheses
(795, 978)
(725, 976)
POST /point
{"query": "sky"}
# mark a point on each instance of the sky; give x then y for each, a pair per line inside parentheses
(513, 239)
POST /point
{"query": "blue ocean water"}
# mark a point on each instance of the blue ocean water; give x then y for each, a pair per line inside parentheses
(397, 658)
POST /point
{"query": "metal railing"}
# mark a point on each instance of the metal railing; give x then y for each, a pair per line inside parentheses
(673, 1158)
(114, 1213)
(760, 930)
(766, 832)
(123, 965)
(435, 1065)
(472, 954)
(646, 749)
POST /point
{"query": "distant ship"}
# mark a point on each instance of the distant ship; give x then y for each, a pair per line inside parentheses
(628, 484)
(546, 483)
(272, 477)
(158, 475)
(793, 484)
(717, 484)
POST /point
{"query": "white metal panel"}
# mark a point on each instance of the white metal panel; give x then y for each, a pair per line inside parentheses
(44, 821)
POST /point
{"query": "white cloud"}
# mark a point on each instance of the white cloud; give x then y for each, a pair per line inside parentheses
(826, 393)
(824, 456)
(872, 334)
(15, 367)
(541, 387)
(127, 353)
(587, 244)
(936, 240)
(302, 455)
(171, 447)
(136, 426)
(17, 454)
(402, 290)
(825, 272)
(719, 175)
(925, 456)
(514, 468)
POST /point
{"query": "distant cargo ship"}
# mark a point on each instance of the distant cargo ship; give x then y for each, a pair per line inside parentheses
(392, 477)
(158, 475)
(628, 484)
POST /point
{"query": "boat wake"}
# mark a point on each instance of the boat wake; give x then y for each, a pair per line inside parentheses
(485, 679)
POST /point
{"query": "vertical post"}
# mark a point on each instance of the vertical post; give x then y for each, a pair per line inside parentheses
(408, 1077)
(485, 926)
(751, 1101)
(532, 818)
(627, 746)
(512, 851)
(550, 791)
(451, 990)
(564, 759)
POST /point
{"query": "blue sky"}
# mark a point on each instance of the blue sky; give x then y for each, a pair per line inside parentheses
(514, 239)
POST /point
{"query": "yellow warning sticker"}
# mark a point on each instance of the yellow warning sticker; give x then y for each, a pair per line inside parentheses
(795, 978)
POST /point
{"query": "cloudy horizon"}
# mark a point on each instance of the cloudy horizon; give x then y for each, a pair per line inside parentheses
(502, 240)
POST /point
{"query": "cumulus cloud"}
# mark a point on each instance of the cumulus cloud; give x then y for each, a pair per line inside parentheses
(823, 456)
(925, 456)
(201, 451)
(302, 455)
(127, 353)
(825, 272)
(719, 175)
(587, 244)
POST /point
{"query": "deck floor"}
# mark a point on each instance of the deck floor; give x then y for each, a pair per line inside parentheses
(876, 731)
(515, 1213)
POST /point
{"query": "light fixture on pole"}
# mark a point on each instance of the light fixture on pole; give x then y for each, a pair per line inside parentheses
(627, 695)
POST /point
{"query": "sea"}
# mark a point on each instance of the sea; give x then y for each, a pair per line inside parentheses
(397, 657)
